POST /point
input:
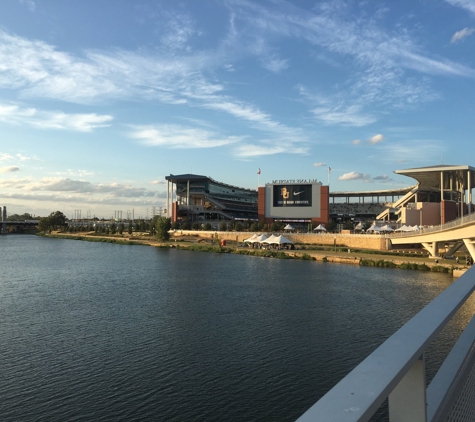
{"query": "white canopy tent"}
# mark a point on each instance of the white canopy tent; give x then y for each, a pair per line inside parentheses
(277, 240)
(256, 238)
(320, 228)
(288, 227)
(374, 229)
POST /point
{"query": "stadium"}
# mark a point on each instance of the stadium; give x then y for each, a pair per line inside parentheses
(441, 194)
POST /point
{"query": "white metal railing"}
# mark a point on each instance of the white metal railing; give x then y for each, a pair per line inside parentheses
(396, 369)
(451, 224)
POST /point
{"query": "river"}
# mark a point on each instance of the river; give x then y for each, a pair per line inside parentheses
(104, 332)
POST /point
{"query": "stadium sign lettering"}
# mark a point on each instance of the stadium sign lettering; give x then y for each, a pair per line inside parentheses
(295, 181)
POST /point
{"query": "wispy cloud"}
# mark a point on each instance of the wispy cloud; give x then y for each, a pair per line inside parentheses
(464, 4)
(73, 186)
(9, 169)
(460, 35)
(348, 116)
(13, 114)
(178, 29)
(416, 151)
(319, 164)
(252, 150)
(174, 136)
(30, 4)
(381, 61)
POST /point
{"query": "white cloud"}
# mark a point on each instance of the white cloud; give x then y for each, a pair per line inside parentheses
(464, 4)
(179, 28)
(13, 114)
(383, 179)
(276, 65)
(376, 139)
(356, 142)
(174, 136)
(416, 151)
(252, 150)
(30, 4)
(354, 176)
(319, 164)
(9, 169)
(80, 188)
(5, 157)
(380, 59)
(349, 116)
(460, 35)
(158, 182)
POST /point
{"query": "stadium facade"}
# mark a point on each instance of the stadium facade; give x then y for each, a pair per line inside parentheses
(441, 194)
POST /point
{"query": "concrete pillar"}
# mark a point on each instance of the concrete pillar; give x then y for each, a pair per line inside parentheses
(3, 228)
(469, 193)
(441, 196)
(168, 204)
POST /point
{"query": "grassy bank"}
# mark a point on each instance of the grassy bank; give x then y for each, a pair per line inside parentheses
(303, 252)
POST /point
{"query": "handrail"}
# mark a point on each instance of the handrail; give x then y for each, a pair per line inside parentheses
(357, 396)
(441, 227)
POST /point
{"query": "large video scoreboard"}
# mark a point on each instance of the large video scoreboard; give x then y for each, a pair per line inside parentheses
(289, 199)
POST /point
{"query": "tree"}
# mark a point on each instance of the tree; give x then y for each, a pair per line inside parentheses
(22, 217)
(331, 226)
(162, 227)
(223, 226)
(348, 225)
(195, 226)
(54, 221)
(239, 227)
(129, 228)
(207, 226)
(254, 227)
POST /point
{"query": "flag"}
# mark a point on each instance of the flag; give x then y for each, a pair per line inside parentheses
(329, 169)
(259, 171)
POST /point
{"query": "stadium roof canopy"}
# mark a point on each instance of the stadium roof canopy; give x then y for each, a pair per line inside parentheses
(430, 177)
(183, 178)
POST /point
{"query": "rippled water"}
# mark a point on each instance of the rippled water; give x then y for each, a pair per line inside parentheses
(93, 331)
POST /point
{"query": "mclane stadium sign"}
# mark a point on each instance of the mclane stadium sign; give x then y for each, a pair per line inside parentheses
(294, 181)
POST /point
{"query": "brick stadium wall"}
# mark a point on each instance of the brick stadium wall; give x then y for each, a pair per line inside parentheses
(356, 241)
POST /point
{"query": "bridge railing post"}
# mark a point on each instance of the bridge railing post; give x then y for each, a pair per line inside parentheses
(407, 402)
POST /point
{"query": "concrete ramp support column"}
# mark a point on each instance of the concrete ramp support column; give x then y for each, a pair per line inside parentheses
(470, 245)
(457, 245)
(432, 248)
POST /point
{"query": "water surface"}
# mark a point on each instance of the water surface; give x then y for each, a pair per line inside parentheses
(96, 331)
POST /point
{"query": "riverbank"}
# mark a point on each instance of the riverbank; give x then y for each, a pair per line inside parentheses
(370, 258)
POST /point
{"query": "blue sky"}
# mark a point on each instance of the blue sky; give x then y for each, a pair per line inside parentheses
(100, 100)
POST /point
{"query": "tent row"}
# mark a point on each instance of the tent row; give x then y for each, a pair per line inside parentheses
(318, 228)
(387, 229)
(271, 240)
